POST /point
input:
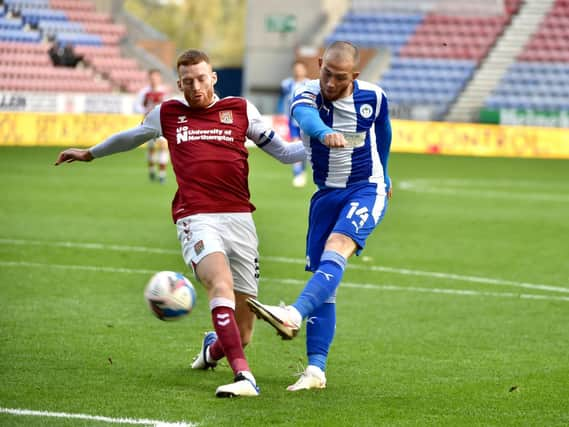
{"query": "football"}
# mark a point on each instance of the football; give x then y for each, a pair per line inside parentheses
(170, 295)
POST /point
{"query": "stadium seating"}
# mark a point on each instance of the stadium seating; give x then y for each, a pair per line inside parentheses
(11, 23)
(550, 41)
(21, 59)
(91, 52)
(373, 29)
(417, 81)
(87, 16)
(19, 4)
(20, 35)
(27, 29)
(27, 66)
(539, 80)
(433, 54)
(53, 86)
(454, 37)
(33, 16)
(78, 38)
(533, 85)
(129, 80)
(67, 5)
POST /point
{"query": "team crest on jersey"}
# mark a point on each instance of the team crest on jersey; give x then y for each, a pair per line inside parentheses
(199, 247)
(226, 117)
(366, 111)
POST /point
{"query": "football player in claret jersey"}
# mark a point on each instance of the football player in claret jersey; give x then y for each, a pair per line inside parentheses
(337, 110)
(148, 98)
(211, 209)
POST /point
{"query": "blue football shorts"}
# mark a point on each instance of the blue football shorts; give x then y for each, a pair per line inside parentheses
(354, 211)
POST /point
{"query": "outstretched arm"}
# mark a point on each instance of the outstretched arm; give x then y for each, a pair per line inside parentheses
(311, 124)
(72, 154)
(269, 141)
(122, 141)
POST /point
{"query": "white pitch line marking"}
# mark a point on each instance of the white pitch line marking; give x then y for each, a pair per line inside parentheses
(142, 421)
(95, 246)
(463, 292)
(75, 267)
(401, 271)
(445, 276)
(457, 188)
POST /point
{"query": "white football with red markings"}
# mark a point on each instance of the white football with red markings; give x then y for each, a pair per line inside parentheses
(170, 295)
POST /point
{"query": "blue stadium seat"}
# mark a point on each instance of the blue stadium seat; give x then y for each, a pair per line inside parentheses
(541, 86)
(33, 16)
(53, 27)
(11, 23)
(79, 38)
(385, 17)
(424, 81)
(20, 36)
(23, 4)
(376, 29)
(533, 102)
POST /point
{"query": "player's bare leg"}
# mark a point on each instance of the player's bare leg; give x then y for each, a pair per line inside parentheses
(245, 317)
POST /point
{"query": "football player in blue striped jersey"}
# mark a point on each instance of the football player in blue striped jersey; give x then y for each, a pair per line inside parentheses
(347, 136)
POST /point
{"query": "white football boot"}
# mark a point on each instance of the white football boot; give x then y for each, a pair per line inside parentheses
(244, 385)
(201, 360)
(312, 377)
(285, 319)
(299, 180)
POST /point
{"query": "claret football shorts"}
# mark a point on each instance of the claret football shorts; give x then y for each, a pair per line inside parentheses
(233, 234)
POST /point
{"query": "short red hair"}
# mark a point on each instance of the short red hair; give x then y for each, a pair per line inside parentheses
(192, 57)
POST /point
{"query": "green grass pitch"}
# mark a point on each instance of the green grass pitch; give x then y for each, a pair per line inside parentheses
(456, 314)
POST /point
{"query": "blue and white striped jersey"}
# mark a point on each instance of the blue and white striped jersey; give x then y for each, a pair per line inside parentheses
(363, 118)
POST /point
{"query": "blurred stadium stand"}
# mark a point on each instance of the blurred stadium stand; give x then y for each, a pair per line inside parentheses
(434, 52)
(539, 78)
(29, 27)
(436, 59)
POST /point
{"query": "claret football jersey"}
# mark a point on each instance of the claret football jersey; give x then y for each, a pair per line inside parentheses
(208, 153)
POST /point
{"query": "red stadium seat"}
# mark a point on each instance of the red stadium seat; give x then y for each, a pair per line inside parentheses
(458, 37)
(27, 66)
(83, 16)
(98, 51)
(104, 28)
(32, 48)
(549, 42)
(85, 6)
